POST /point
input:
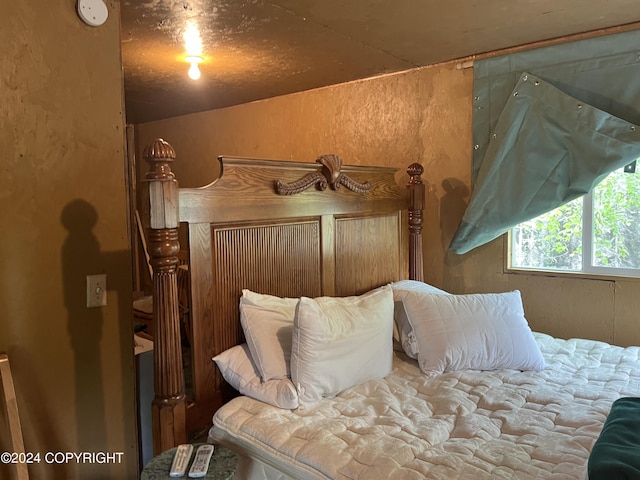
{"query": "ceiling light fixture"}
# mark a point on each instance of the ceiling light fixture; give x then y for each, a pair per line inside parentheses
(193, 44)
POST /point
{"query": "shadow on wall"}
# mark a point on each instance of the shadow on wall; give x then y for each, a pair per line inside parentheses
(452, 207)
(81, 255)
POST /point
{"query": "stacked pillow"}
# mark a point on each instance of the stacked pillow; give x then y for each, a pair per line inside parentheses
(239, 370)
(341, 342)
(299, 351)
(267, 322)
(313, 347)
(404, 334)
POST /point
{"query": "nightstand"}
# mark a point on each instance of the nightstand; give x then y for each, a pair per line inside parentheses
(222, 466)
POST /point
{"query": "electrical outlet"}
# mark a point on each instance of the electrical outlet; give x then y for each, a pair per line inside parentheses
(97, 290)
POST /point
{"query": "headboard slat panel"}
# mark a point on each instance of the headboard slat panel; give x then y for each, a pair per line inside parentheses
(369, 253)
(328, 240)
(201, 307)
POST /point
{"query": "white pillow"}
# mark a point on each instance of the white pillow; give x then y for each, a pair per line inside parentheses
(240, 372)
(476, 332)
(403, 332)
(414, 285)
(267, 322)
(401, 327)
(341, 342)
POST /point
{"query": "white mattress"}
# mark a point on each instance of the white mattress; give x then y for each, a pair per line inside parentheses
(460, 425)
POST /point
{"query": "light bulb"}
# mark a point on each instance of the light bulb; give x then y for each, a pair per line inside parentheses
(194, 71)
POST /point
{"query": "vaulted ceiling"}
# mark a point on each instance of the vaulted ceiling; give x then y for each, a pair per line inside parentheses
(258, 49)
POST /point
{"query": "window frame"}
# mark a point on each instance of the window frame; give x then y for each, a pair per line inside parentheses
(588, 269)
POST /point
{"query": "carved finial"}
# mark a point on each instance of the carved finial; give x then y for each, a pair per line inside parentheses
(161, 184)
(415, 170)
(416, 191)
(160, 154)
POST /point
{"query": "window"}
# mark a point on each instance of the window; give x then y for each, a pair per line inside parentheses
(598, 233)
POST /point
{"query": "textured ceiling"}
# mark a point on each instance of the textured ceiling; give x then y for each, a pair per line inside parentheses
(258, 49)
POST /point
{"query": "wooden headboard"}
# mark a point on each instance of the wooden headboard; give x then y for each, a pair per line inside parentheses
(281, 228)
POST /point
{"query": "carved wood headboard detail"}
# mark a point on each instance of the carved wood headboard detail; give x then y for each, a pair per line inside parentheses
(260, 226)
(331, 175)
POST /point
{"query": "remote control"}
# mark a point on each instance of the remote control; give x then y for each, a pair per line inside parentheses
(181, 460)
(200, 463)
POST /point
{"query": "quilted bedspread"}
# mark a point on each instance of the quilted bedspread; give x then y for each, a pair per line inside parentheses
(459, 425)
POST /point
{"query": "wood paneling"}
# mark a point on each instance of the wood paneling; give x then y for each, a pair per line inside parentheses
(368, 253)
(246, 191)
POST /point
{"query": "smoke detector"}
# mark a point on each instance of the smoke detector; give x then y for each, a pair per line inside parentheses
(92, 12)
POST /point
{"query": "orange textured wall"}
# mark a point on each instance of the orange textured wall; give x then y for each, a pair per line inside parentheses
(64, 216)
(422, 115)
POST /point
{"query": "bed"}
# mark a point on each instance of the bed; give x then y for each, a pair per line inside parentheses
(320, 352)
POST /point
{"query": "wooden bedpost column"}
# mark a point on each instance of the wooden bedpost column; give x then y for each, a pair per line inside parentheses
(416, 206)
(168, 409)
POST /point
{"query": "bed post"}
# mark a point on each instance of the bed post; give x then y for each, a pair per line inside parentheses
(416, 205)
(168, 409)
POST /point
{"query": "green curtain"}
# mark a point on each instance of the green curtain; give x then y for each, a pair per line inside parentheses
(548, 125)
